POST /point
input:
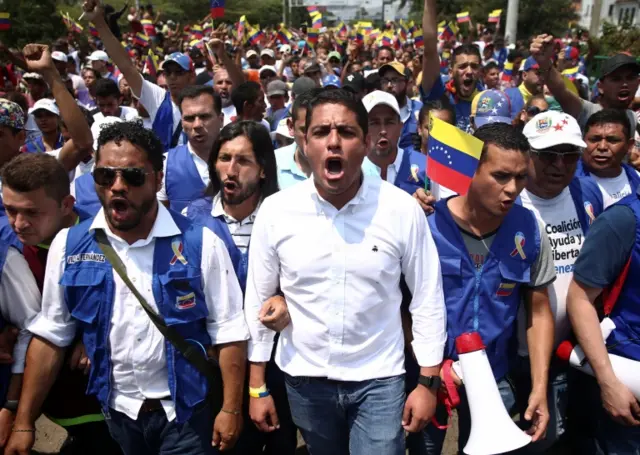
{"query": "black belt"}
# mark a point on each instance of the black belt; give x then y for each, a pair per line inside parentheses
(153, 405)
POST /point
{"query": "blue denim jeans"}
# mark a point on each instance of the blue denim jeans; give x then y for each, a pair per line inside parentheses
(349, 418)
(152, 434)
(431, 439)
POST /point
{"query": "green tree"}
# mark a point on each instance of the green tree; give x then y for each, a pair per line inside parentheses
(32, 21)
(623, 38)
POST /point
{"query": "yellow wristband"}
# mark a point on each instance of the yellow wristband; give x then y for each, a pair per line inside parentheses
(260, 392)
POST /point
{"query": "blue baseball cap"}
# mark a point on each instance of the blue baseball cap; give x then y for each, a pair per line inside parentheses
(530, 64)
(181, 59)
(491, 106)
(331, 79)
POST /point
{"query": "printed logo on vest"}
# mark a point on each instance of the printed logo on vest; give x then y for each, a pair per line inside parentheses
(505, 289)
(177, 248)
(186, 301)
(520, 241)
(589, 209)
(414, 172)
(85, 257)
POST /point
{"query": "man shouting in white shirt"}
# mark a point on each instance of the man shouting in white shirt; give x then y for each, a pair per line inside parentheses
(336, 246)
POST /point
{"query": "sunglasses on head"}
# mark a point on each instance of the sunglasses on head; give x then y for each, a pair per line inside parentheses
(535, 110)
(549, 155)
(105, 176)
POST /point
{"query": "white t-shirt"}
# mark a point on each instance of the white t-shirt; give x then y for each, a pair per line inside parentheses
(613, 189)
(201, 166)
(126, 114)
(229, 112)
(152, 97)
(561, 222)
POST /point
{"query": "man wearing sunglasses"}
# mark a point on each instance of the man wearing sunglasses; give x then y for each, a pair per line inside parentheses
(566, 206)
(155, 400)
(161, 105)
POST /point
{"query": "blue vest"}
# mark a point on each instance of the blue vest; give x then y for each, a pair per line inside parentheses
(183, 182)
(632, 175)
(37, 145)
(587, 198)
(486, 300)
(516, 99)
(5, 370)
(86, 195)
(163, 122)
(412, 172)
(625, 339)
(177, 289)
(200, 212)
(410, 127)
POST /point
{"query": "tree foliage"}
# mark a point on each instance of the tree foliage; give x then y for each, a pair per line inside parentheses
(623, 38)
(32, 21)
(534, 17)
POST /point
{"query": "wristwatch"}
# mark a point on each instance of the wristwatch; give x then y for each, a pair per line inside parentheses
(430, 382)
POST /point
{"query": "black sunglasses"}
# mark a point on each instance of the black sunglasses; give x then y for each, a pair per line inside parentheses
(535, 110)
(549, 156)
(105, 176)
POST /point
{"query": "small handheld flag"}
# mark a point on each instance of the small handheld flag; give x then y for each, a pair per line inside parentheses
(312, 9)
(217, 9)
(453, 156)
(141, 39)
(494, 16)
(5, 21)
(312, 35)
(418, 40)
(316, 20)
(463, 17)
(507, 72)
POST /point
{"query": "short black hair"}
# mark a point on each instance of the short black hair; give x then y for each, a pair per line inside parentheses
(302, 101)
(260, 139)
(31, 171)
(247, 92)
(96, 74)
(615, 116)
(491, 66)
(442, 104)
(150, 78)
(341, 97)
(514, 54)
(106, 87)
(465, 49)
(194, 91)
(135, 133)
(372, 82)
(501, 135)
(387, 48)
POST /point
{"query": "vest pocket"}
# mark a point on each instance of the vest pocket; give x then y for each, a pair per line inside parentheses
(84, 291)
(451, 275)
(183, 297)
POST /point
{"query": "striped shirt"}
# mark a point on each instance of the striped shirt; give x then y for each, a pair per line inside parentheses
(240, 230)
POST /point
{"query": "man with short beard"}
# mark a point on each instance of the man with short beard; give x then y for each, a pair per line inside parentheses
(401, 167)
(394, 80)
(466, 69)
(617, 86)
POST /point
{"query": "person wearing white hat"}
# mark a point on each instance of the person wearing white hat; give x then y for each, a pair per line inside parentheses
(404, 168)
(47, 119)
(567, 206)
(74, 82)
(99, 61)
(268, 57)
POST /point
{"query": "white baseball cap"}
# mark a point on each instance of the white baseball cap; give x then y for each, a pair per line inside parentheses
(378, 97)
(552, 128)
(98, 125)
(285, 49)
(268, 52)
(47, 105)
(59, 56)
(267, 68)
(251, 53)
(99, 55)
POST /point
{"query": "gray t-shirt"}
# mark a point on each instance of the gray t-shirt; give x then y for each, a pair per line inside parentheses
(543, 271)
(589, 108)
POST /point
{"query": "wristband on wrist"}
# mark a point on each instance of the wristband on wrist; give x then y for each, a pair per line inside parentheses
(23, 430)
(230, 411)
(260, 392)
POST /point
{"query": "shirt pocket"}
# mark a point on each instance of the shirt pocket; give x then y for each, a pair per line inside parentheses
(513, 274)
(184, 300)
(85, 291)
(451, 269)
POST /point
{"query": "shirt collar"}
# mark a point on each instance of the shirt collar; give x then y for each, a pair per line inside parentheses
(357, 199)
(291, 164)
(163, 226)
(217, 210)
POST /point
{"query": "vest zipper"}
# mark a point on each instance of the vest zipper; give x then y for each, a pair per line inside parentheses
(476, 300)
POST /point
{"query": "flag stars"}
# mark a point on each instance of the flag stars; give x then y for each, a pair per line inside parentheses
(494, 111)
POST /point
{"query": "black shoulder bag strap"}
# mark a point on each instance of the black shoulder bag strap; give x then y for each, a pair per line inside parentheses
(176, 135)
(191, 352)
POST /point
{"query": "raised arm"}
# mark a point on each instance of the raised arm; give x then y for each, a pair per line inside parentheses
(430, 59)
(38, 59)
(93, 12)
(235, 72)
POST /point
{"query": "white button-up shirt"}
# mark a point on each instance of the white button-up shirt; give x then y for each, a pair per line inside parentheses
(392, 169)
(340, 271)
(137, 347)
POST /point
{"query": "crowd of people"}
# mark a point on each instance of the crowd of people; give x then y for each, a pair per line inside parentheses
(213, 239)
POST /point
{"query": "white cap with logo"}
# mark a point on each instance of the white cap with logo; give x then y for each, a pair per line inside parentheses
(45, 104)
(59, 56)
(552, 128)
(378, 97)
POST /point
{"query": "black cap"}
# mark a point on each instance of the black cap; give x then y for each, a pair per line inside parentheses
(354, 82)
(311, 67)
(618, 61)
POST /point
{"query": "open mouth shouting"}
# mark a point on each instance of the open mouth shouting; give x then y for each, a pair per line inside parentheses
(624, 96)
(119, 209)
(334, 168)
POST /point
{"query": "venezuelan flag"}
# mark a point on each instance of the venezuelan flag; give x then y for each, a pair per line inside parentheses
(5, 21)
(447, 33)
(494, 16)
(148, 27)
(387, 39)
(463, 17)
(208, 28)
(312, 35)
(571, 73)
(505, 289)
(141, 39)
(402, 32)
(93, 30)
(196, 32)
(507, 72)
(217, 9)
(284, 35)
(366, 27)
(316, 21)
(151, 64)
(453, 156)
(418, 39)
(341, 45)
(312, 9)
(75, 27)
(342, 29)
(255, 36)
(375, 33)
(242, 25)
(412, 27)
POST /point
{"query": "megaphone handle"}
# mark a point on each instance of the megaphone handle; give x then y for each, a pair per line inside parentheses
(450, 397)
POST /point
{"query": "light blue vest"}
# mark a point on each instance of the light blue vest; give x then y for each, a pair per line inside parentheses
(183, 182)
(86, 195)
(177, 288)
(632, 175)
(486, 300)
